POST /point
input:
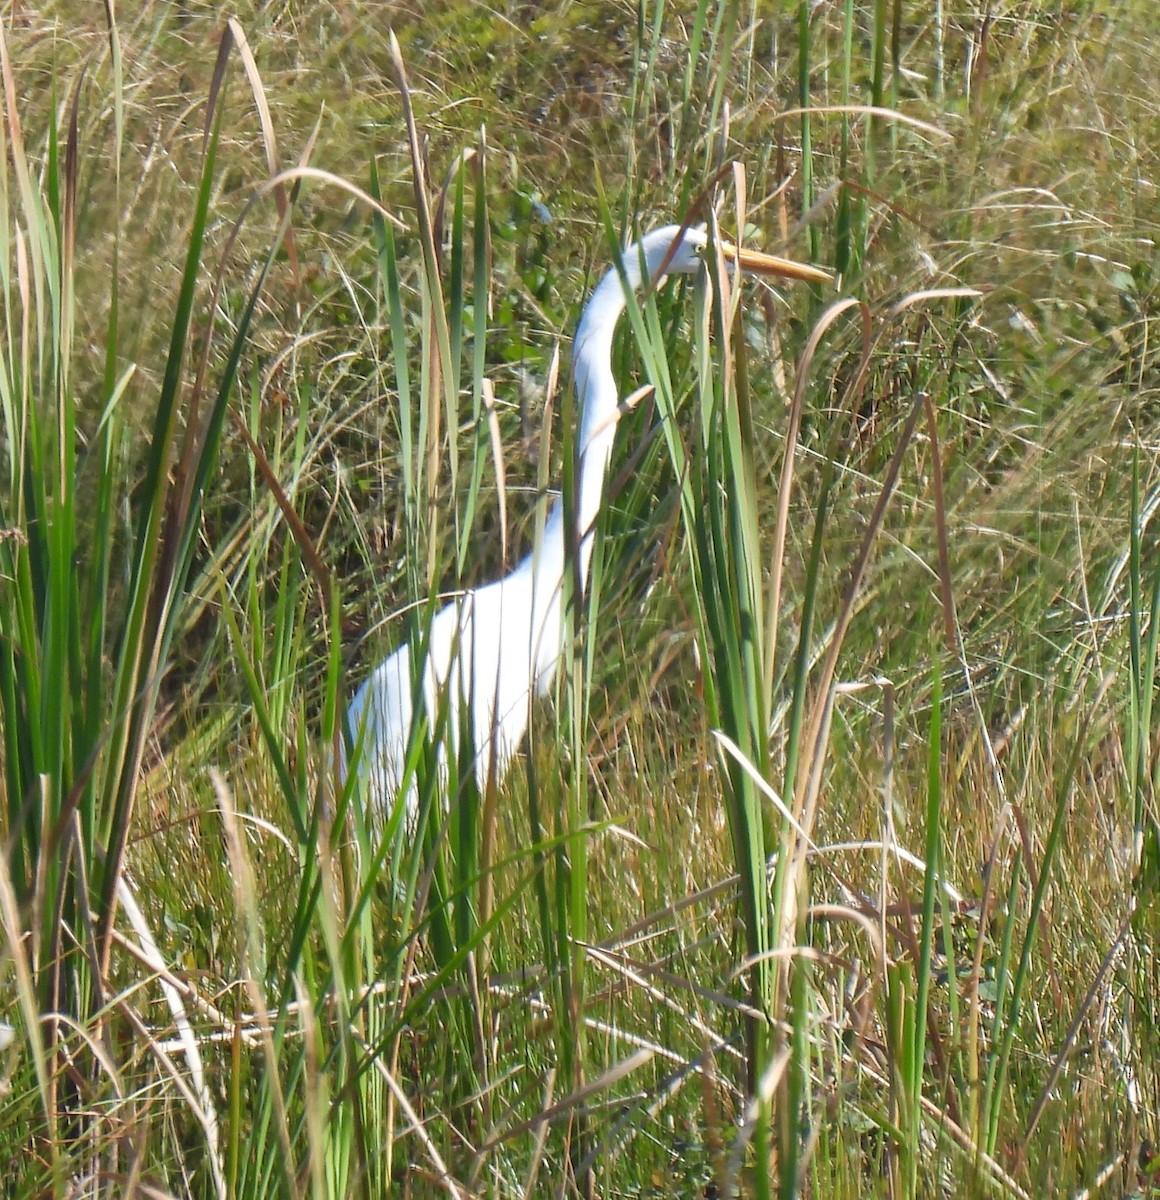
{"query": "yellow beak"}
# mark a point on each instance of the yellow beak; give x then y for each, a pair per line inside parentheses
(771, 264)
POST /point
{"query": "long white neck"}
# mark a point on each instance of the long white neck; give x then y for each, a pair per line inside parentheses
(598, 400)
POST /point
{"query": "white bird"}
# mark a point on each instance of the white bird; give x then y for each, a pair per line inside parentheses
(494, 647)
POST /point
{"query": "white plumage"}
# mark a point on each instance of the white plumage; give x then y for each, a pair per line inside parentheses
(496, 646)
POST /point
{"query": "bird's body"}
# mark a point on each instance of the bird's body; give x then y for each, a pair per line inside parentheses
(495, 684)
(495, 647)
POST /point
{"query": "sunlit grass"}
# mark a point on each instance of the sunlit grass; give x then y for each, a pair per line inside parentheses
(954, 989)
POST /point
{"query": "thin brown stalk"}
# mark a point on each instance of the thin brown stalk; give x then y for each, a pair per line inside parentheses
(1069, 1040)
(812, 744)
(269, 142)
(785, 483)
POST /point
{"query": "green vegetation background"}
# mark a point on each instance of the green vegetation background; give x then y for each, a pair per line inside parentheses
(249, 432)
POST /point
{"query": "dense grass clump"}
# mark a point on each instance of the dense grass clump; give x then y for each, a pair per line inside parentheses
(831, 866)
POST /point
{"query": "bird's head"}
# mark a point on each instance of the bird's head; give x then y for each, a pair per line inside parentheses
(672, 250)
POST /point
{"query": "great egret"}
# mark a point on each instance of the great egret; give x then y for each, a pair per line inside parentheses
(493, 647)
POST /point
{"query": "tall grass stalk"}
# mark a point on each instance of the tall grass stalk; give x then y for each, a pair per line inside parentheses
(1144, 651)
